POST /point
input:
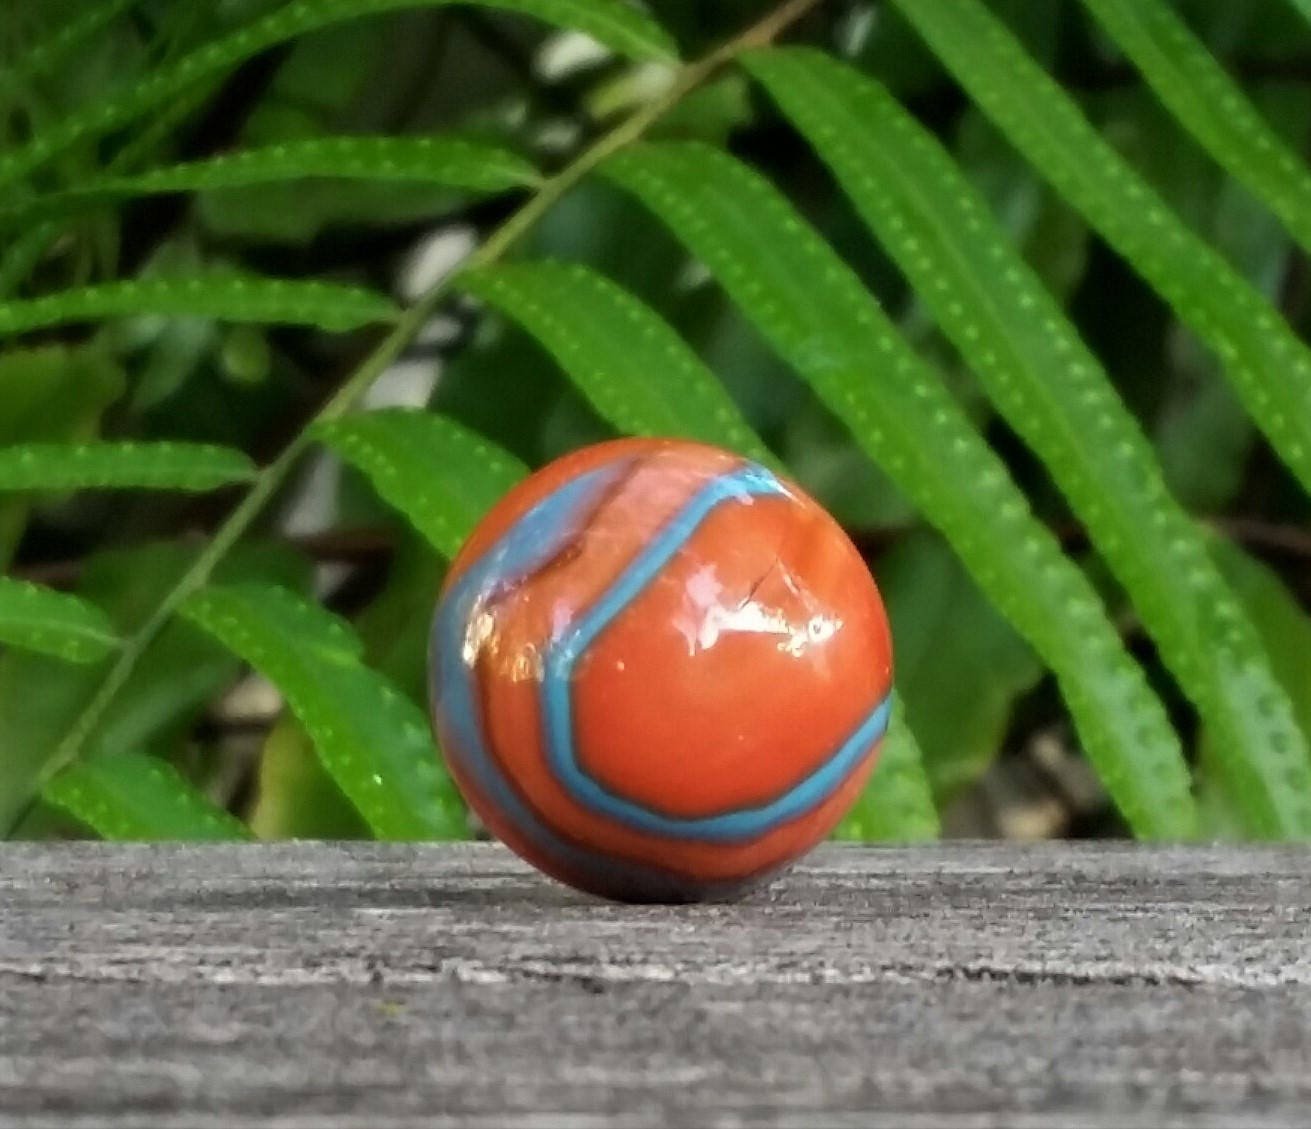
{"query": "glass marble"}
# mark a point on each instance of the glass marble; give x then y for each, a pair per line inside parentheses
(659, 672)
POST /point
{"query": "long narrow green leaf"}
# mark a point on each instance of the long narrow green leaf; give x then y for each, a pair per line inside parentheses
(371, 738)
(53, 623)
(637, 372)
(618, 25)
(1267, 364)
(1211, 105)
(440, 475)
(447, 161)
(43, 55)
(813, 309)
(1283, 622)
(1303, 6)
(897, 804)
(160, 466)
(960, 696)
(272, 301)
(1054, 393)
(133, 797)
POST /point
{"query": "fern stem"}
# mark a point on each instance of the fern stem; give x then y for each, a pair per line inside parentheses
(389, 349)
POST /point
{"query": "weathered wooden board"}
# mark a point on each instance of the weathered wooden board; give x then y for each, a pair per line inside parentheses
(310, 985)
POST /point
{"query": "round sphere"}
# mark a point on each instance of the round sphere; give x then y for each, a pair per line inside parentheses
(659, 672)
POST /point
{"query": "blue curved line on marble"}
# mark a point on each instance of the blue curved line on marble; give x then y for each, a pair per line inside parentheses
(564, 653)
(528, 545)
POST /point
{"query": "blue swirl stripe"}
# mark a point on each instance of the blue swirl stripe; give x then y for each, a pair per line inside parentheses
(529, 544)
(565, 652)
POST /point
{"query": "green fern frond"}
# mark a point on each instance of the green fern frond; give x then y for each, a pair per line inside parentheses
(1054, 393)
(246, 298)
(1282, 621)
(374, 741)
(320, 635)
(440, 475)
(129, 797)
(55, 467)
(449, 162)
(618, 25)
(1211, 105)
(1266, 362)
(819, 317)
(897, 804)
(53, 623)
(636, 371)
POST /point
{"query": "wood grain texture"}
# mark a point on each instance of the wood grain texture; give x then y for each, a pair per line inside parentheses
(312, 985)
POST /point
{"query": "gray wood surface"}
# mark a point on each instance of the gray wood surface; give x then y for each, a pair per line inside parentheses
(310, 985)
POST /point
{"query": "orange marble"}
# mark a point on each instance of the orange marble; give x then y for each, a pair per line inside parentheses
(659, 672)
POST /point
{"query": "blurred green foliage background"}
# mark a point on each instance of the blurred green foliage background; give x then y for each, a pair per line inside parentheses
(998, 748)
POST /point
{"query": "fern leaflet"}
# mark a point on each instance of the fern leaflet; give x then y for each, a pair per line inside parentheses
(1054, 393)
(374, 741)
(637, 372)
(440, 475)
(42, 56)
(133, 797)
(53, 623)
(162, 466)
(447, 161)
(1213, 107)
(272, 301)
(1266, 362)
